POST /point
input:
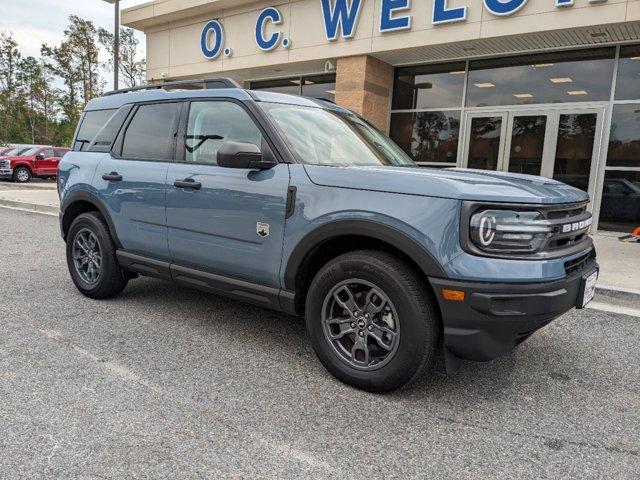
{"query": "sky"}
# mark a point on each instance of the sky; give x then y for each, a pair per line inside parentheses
(34, 22)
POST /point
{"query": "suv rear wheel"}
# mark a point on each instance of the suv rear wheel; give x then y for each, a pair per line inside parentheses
(372, 321)
(91, 258)
(22, 175)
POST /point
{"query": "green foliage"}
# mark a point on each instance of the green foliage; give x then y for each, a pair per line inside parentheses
(32, 108)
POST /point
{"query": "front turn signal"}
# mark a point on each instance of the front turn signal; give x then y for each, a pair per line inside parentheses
(453, 295)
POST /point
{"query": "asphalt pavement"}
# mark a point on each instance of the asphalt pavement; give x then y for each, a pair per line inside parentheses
(166, 382)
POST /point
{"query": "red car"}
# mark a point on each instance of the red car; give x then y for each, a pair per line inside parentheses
(39, 162)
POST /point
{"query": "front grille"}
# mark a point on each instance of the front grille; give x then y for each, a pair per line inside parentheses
(4, 164)
(570, 226)
(578, 264)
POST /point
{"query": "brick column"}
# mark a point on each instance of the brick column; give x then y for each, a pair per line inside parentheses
(363, 84)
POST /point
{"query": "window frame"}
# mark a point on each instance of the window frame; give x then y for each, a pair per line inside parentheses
(118, 144)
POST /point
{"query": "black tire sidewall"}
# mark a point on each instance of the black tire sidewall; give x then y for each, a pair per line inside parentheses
(111, 272)
(418, 333)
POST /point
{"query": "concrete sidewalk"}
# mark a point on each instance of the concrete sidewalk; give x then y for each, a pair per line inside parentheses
(619, 262)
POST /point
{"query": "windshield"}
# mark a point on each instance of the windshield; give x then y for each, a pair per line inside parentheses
(29, 152)
(324, 137)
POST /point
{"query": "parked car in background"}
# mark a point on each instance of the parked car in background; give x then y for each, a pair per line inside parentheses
(40, 161)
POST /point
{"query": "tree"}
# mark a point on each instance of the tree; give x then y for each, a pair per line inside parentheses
(9, 60)
(82, 37)
(131, 66)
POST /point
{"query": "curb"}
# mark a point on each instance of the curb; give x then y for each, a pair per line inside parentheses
(618, 293)
(30, 207)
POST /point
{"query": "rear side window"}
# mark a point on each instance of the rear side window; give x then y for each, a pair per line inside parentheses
(92, 123)
(213, 123)
(60, 153)
(107, 135)
(47, 153)
(150, 134)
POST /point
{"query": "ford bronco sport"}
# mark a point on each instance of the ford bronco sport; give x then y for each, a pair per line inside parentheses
(301, 206)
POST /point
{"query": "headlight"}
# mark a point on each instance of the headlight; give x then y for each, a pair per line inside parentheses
(509, 231)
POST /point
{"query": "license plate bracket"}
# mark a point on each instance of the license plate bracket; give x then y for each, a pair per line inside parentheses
(587, 289)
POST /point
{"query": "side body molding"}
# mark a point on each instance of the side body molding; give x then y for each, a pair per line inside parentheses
(368, 228)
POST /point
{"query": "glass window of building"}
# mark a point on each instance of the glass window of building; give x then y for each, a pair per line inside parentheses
(318, 86)
(620, 206)
(428, 86)
(628, 87)
(579, 76)
(428, 137)
(284, 85)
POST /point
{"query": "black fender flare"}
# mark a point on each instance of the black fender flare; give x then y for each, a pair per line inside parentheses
(367, 228)
(82, 195)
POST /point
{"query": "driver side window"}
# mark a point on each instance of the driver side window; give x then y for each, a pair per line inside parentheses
(213, 123)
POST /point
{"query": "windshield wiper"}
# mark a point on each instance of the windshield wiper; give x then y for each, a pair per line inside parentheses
(202, 138)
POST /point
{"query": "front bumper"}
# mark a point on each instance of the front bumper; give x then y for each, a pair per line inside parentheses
(6, 173)
(495, 317)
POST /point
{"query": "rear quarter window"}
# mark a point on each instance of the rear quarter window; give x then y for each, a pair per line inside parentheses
(92, 122)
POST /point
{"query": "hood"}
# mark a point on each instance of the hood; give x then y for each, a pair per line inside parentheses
(455, 183)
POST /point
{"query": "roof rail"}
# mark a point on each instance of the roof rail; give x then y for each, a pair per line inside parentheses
(195, 84)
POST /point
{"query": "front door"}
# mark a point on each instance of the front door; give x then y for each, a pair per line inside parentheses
(225, 221)
(46, 164)
(557, 143)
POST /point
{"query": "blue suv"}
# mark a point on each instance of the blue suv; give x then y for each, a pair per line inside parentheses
(301, 206)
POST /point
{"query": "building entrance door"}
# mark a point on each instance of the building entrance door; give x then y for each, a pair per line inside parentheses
(560, 143)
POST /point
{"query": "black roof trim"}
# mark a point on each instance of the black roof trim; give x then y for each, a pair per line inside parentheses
(207, 83)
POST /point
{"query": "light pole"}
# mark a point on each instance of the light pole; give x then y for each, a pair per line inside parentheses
(116, 41)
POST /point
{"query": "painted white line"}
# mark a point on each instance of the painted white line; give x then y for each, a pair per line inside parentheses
(29, 210)
(612, 289)
(607, 307)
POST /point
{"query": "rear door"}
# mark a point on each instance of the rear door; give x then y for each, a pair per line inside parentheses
(231, 223)
(131, 179)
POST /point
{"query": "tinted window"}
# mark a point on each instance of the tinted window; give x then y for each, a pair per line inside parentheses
(624, 142)
(429, 86)
(48, 153)
(629, 74)
(150, 135)
(105, 138)
(549, 78)
(213, 123)
(60, 153)
(92, 122)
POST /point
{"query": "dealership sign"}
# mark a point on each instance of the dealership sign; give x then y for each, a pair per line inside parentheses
(340, 19)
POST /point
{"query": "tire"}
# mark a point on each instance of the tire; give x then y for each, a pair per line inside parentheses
(410, 309)
(111, 279)
(22, 175)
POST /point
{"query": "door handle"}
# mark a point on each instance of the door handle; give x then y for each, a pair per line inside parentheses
(112, 177)
(187, 183)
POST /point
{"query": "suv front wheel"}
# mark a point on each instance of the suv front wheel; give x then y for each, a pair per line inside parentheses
(372, 321)
(91, 258)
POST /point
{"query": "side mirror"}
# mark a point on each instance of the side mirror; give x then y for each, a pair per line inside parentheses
(242, 155)
(39, 156)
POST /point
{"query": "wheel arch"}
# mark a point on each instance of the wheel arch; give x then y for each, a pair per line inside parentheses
(342, 236)
(82, 201)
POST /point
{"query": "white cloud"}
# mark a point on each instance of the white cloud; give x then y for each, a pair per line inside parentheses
(34, 22)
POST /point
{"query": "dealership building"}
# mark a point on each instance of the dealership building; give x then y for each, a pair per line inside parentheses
(543, 87)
